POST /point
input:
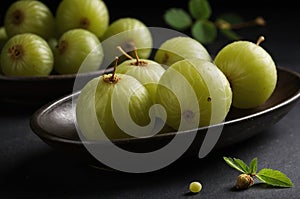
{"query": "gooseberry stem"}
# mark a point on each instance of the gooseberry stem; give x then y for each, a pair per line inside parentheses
(138, 61)
(112, 78)
(259, 40)
(136, 56)
(124, 53)
(257, 21)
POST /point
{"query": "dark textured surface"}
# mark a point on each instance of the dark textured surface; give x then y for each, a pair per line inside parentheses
(29, 168)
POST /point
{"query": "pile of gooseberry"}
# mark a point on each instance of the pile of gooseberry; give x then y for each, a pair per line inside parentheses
(37, 42)
(189, 87)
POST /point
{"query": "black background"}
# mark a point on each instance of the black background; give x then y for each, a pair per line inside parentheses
(31, 169)
(282, 19)
(151, 12)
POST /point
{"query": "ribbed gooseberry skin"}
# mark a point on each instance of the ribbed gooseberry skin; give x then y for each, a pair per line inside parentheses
(129, 33)
(148, 72)
(29, 17)
(101, 96)
(179, 48)
(251, 72)
(26, 54)
(92, 15)
(78, 51)
(194, 93)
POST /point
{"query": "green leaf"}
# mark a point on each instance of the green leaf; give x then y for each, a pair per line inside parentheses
(178, 18)
(274, 178)
(237, 164)
(230, 34)
(204, 31)
(243, 165)
(253, 166)
(200, 9)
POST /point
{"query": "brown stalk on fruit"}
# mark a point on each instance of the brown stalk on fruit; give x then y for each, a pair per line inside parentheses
(112, 78)
(138, 61)
(260, 40)
(258, 21)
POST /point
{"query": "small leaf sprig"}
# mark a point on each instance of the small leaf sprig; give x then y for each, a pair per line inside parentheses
(269, 176)
(202, 27)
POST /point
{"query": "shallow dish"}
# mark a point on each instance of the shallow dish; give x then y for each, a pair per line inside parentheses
(40, 89)
(54, 122)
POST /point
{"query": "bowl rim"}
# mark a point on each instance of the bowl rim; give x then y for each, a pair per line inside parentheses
(54, 76)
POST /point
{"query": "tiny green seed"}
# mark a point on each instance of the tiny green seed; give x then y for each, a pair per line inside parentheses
(195, 187)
